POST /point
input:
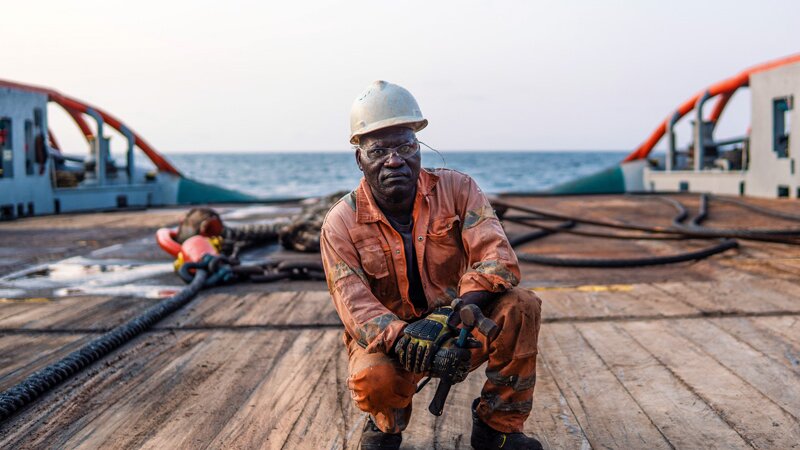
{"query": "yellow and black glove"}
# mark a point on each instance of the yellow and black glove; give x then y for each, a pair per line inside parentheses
(452, 363)
(422, 339)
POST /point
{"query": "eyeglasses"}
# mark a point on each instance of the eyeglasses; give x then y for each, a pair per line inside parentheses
(405, 151)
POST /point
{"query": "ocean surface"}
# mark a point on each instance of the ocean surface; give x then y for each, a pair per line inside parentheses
(306, 174)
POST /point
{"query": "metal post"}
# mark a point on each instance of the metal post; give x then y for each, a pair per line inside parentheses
(100, 149)
(699, 149)
(669, 163)
(129, 155)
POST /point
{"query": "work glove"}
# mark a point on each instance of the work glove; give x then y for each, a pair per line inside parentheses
(422, 339)
(452, 363)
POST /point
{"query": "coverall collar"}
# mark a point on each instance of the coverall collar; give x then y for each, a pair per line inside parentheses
(368, 211)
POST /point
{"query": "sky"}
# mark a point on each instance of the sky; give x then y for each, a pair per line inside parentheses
(239, 76)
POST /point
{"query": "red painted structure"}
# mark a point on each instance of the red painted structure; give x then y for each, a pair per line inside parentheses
(724, 89)
(76, 108)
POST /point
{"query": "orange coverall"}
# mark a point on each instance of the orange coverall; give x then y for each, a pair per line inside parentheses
(461, 247)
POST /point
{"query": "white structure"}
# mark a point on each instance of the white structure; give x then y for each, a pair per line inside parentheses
(761, 165)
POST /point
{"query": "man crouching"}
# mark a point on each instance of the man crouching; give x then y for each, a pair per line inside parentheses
(397, 251)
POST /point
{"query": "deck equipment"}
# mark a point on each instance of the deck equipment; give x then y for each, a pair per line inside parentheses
(761, 162)
(38, 176)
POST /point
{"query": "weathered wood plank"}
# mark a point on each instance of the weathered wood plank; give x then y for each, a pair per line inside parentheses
(330, 418)
(71, 313)
(756, 418)
(683, 417)
(717, 297)
(290, 308)
(606, 412)
(552, 421)
(788, 327)
(23, 354)
(773, 380)
(279, 399)
(769, 342)
(612, 301)
(40, 239)
(177, 390)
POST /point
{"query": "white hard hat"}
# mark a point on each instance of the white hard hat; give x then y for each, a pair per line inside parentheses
(384, 105)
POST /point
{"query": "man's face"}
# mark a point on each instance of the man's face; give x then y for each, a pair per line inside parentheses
(390, 177)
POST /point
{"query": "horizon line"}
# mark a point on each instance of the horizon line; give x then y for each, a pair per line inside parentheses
(187, 152)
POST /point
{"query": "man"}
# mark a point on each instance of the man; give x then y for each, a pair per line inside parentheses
(397, 252)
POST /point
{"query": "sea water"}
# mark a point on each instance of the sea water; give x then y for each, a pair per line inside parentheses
(307, 174)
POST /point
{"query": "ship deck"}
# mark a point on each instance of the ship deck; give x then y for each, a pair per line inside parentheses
(701, 354)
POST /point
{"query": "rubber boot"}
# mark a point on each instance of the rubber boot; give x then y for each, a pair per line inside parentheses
(485, 437)
(372, 438)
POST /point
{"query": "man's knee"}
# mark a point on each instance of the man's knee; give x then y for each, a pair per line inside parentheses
(518, 313)
(519, 306)
(382, 386)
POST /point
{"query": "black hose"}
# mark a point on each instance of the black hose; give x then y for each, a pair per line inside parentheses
(554, 229)
(726, 244)
(759, 209)
(36, 384)
(785, 236)
(600, 223)
(533, 235)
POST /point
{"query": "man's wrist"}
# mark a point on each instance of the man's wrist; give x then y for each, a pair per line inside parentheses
(481, 299)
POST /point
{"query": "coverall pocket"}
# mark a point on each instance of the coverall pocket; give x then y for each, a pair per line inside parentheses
(444, 254)
(373, 260)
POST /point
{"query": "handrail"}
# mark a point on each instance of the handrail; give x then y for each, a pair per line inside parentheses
(725, 88)
(76, 107)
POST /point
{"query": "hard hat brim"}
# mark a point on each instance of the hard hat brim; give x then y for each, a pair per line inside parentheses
(410, 122)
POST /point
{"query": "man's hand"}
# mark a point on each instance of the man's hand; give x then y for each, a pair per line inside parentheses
(451, 362)
(422, 339)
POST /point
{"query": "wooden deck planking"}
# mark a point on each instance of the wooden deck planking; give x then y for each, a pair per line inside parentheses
(683, 417)
(788, 327)
(605, 376)
(40, 239)
(552, 419)
(754, 416)
(255, 308)
(721, 297)
(611, 302)
(774, 381)
(754, 333)
(95, 313)
(169, 390)
(606, 412)
(23, 354)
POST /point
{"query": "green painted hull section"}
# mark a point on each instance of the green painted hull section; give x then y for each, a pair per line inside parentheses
(191, 192)
(608, 181)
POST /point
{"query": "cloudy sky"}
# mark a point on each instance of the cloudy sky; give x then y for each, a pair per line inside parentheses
(206, 76)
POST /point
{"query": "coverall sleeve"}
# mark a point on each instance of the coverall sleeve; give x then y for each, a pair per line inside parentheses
(491, 262)
(365, 318)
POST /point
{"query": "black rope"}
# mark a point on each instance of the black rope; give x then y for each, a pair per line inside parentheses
(538, 234)
(271, 271)
(724, 245)
(758, 209)
(260, 233)
(677, 228)
(783, 236)
(41, 381)
(531, 222)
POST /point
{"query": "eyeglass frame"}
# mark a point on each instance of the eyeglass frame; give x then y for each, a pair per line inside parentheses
(391, 150)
